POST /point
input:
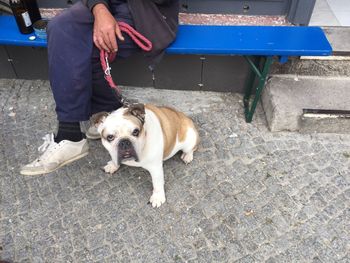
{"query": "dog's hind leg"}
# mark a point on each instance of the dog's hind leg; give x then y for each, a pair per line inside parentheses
(190, 145)
(187, 157)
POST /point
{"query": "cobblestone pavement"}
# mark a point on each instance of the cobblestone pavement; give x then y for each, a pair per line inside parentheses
(249, 195)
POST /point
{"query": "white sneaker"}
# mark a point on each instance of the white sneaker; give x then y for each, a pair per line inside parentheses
(92, 133)
(55, 155)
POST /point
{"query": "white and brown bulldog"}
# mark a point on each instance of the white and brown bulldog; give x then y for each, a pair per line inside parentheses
(144, 136)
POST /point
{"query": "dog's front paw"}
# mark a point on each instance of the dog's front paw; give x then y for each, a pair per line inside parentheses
(110, 167)
(157, 199)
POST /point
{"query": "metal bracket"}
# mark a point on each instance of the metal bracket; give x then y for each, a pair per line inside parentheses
(283, 59)
(258, 69)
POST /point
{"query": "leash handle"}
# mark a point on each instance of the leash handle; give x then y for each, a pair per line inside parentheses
(139, 39)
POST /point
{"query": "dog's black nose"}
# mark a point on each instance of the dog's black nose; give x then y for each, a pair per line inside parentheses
(124, 144)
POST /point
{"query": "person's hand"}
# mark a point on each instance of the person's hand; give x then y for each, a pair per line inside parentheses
(105, 29)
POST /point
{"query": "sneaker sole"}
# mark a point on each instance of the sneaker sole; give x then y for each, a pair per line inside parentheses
(62, 164)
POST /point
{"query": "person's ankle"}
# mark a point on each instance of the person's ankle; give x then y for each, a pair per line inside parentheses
(69, 131)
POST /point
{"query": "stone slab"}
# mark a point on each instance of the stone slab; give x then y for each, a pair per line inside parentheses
(339, 38)
(285, 97)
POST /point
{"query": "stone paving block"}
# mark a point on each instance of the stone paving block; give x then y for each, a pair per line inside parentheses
(249, 195)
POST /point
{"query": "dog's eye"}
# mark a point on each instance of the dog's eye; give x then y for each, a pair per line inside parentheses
(136, 132)
(110, 138)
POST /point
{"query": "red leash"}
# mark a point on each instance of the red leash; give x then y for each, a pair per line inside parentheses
(106, 57)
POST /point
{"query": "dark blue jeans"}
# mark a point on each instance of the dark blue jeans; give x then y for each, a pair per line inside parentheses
(76, 76)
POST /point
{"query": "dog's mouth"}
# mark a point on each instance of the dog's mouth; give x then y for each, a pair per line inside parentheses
(126, 152)
(127, 156)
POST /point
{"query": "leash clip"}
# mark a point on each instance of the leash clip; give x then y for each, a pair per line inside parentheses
(108, 68)
(124, 101)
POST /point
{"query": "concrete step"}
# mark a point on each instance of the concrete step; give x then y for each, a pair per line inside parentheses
(286, 97)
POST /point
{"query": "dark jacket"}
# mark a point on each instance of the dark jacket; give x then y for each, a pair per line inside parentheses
(155, 19)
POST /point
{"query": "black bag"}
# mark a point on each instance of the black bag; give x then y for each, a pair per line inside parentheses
(158, 21)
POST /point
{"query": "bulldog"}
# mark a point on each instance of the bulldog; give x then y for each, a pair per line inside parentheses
(145, 136)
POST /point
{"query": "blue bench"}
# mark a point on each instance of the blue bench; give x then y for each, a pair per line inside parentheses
(260, 45)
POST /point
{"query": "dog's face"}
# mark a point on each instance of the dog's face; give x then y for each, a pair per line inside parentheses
(122, 132)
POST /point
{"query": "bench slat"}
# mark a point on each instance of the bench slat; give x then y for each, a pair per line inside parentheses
(10, 35)
(251, 40)
(217, 40)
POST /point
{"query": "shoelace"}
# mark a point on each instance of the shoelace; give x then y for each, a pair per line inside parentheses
(48, 140)
(46, 148)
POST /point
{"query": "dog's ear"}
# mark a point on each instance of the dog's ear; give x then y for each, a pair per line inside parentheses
(98, 118)
(137, 110)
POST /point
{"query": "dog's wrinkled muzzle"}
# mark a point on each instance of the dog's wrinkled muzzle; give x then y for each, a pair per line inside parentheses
(126, 151)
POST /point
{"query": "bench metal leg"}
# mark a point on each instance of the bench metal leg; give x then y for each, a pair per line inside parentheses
(254, 63)
(262, 75)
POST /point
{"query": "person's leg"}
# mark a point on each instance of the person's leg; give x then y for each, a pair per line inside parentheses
(69, 51)
(75, 71)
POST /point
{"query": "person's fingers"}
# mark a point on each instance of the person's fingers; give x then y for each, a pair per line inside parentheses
(113, 41)
(119, 33)
(107, 41)
(96, 42)
(103, 44)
